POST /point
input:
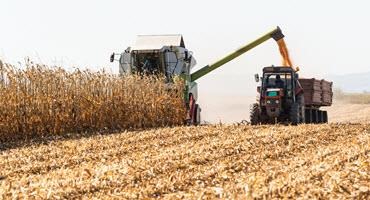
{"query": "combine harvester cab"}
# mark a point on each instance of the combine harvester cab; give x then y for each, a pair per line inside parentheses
(163, 54)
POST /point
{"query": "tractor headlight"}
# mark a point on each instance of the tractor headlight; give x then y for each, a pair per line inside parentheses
(268, 102)
(277, 101)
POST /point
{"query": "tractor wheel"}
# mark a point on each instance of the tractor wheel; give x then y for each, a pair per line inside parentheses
(294, 115)
(302, 114)
(255, 114)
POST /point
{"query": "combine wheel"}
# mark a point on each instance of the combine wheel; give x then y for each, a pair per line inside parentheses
(193, 112)
(196, 119)
(255, 114)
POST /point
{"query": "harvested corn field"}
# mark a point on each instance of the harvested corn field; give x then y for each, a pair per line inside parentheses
(39, 100)
(237, 161)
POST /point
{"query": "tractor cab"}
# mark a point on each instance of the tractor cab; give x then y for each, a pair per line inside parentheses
(281, 78)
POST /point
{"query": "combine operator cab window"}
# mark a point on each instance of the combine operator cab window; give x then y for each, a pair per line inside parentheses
(148, 63)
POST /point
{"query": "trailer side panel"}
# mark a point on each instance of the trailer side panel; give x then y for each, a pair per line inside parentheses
(317, 92)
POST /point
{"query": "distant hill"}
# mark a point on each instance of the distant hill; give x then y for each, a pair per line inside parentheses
(358, 82)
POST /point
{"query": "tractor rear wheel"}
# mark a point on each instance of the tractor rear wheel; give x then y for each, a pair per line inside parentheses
(302, 114)
(255, 114)
(294, 114)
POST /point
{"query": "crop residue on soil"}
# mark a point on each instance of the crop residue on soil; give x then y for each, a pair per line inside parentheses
(235, 162)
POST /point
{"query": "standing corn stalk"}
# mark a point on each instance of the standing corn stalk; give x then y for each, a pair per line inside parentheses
(41, 100)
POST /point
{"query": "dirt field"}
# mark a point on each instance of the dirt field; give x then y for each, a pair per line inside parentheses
(322, 161)
(348, 112)
(236, 108)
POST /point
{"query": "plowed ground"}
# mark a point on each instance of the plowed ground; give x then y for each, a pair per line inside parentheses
(236, 161)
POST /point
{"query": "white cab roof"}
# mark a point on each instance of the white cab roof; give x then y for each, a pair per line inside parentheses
(155, 42)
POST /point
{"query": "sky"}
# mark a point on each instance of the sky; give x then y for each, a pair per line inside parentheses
(324, 38)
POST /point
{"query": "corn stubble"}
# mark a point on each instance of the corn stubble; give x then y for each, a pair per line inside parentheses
(235, 162)
(41, 100)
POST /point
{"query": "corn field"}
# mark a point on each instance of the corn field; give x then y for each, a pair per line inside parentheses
(41, 100)
(207, 162)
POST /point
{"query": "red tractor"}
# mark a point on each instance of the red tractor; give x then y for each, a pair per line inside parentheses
(282, 98)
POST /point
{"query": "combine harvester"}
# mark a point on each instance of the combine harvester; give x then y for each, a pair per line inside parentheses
(167, 54)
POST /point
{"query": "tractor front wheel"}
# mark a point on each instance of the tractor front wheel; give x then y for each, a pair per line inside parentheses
(294, 115)
(255, 114)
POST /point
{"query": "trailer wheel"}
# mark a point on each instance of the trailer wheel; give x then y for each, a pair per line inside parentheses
(255, 114)
(320, 117)
(315, 116)
(294, 115)
(325, 116)
(308, 117)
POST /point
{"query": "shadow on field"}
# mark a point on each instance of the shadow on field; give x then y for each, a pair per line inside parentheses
(14, 143)
(19, 142)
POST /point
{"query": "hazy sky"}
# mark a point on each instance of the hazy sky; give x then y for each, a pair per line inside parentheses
(324, 37)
